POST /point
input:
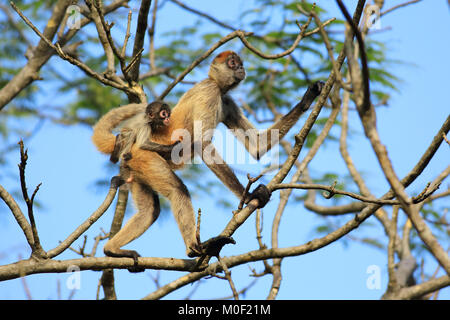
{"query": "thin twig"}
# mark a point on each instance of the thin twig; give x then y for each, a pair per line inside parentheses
(228, 277)
(141, 28)
(332, 191)
(36, 248)
(102, 35)
(197, 61)
(18, 215)
(68, 58)
(329, 48)
(86, 224)
(151, 33)
(398, 6)
(127, 35)
(247, 188)
(107, 29)
(197, 233)
(365, 69)
(133, 61)
(445, 138)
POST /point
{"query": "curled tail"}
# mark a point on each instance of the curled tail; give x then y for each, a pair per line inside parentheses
(102, 137)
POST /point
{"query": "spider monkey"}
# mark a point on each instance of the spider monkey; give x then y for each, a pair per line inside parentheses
(158, 116)
(209, 103)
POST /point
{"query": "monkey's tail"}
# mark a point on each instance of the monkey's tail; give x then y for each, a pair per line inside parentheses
(102, 137)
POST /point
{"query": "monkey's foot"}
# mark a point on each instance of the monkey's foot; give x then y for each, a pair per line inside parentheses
(213, 246)
(135, 268)
(261, 193)
(127, 254)
(117, 181)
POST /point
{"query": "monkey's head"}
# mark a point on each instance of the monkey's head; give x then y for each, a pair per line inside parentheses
(227, 70)
(158, 115)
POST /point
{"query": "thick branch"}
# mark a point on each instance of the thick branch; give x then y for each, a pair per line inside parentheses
(141, 29)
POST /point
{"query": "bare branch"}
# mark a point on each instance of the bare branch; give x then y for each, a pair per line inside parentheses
(445, 138)
(151, 33)
(141, 29)
(399, 6)
(18, 215)
(42, 53)
(228, 277)
(107, 44)
(196, 62)
(36, 248)
(70, 59)
(127, 35)
(85, 225)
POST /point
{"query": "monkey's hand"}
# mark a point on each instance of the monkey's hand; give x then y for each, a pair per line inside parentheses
(261, 193)
(163, 150)
(115, 154)
(127, 156)
(317, 87)
(166, 153)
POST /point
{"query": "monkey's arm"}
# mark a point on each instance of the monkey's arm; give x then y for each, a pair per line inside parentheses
(102, 136)
(258, 142)
(163, 150)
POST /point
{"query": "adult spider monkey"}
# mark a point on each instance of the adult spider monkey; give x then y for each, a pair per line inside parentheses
(208, 103)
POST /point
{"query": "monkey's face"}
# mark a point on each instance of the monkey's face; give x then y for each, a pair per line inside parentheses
(235, 64)
(158, 115)
(227, 70)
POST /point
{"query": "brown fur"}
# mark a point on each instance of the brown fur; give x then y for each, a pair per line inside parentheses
(102, 137)
(207, 102)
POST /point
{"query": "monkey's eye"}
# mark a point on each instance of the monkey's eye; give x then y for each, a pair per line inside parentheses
(232, 64)
(164, 114)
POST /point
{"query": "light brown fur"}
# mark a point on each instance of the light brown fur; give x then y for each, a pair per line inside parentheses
(207, 102)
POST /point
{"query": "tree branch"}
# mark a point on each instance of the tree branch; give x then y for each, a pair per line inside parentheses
(86, 224)
(141, 29)
(36, 249)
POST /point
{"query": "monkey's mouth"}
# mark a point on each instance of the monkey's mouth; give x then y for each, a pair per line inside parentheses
(239, 75)
(166, 121)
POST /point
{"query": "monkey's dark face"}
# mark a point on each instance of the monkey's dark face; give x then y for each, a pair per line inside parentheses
(158, 115)
(234, 62)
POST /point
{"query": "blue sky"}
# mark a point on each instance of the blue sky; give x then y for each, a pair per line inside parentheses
(64, 159)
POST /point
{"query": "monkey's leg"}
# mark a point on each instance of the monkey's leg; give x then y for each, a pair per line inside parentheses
(147, 203)
(151, 169)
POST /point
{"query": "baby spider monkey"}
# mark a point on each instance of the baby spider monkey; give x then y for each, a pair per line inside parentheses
(157, 115)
